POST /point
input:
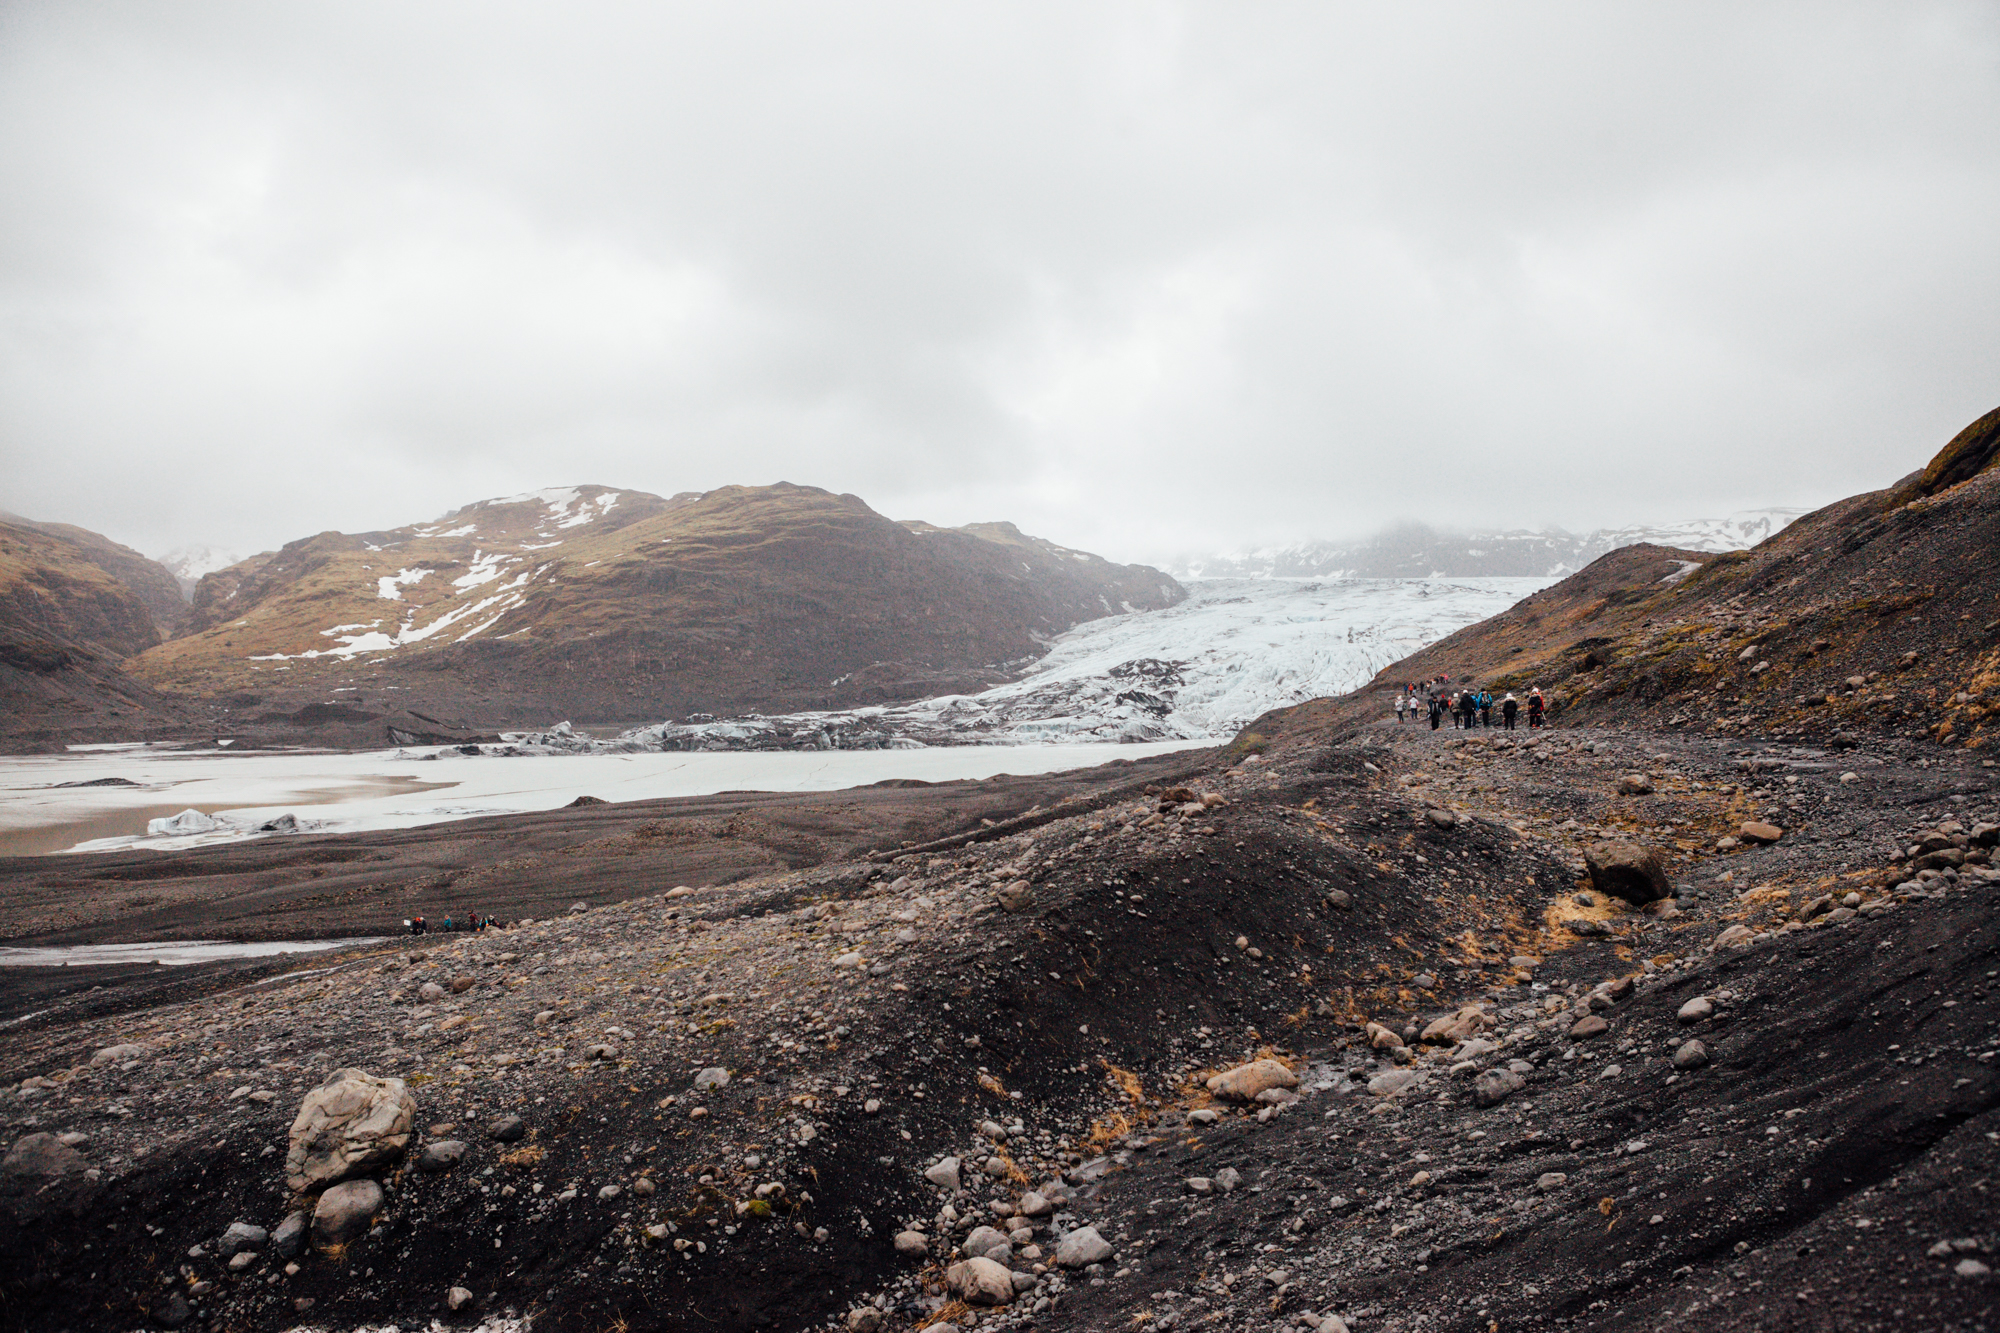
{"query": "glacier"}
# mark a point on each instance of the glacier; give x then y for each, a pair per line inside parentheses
(1199, 670)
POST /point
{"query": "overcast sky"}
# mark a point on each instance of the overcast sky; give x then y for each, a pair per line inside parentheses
(1144, 278)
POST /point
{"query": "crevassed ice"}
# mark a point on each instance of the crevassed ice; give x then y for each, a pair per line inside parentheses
(1233, 650)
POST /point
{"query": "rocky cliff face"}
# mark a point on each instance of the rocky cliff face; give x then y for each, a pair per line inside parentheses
(620, 606)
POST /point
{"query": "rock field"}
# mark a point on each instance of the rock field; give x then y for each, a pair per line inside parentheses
(1377, 1029)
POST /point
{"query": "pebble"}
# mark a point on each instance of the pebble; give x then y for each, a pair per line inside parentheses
(715, 1076)
(506, 1129)
(1587, 1027)
(458, 1298)
(913, 1244)
(1551, 1180)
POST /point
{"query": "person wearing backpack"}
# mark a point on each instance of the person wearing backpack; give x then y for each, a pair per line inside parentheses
(1537, 709)
(1485, 708)
(1509, 706)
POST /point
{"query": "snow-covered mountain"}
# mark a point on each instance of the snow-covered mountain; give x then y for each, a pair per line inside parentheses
(1413, 550)
(1200, 669)
(189, 563)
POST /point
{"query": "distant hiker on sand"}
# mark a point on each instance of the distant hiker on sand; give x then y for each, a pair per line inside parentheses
(1536, 708)
(1509, 706)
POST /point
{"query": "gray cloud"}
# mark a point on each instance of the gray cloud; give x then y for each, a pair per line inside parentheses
(1143, 278)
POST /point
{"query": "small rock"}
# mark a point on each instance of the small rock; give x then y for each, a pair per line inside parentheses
(715, 1076)
(173, 1311)
(912, 1244)
(1628, 871)
(980, 1282)
(1635, 784)
(345, 1211)
(1759, 832)
(1443, 819)
(944, 1174)
(1034, 1204)
(462, 983)
(1496, 1086)
(1695, 1010)
(440, 1155)
(1736, 937)
(868, 1319)
(1018, 896)
(242, 1260)
(41, 1155)
(1691, 1055)
(289, 1237)
(987, 1243)
(1227, 1179)
(458, 1298)
(1243, 1083)
(1551, 1180)
(1392, 1081)
(1589, 1026)
(610, 1192)
(1081, 1248)
(1970, 1268)
(644, 1187)
(119, 1054)
(506, 1129)
(242, 1236)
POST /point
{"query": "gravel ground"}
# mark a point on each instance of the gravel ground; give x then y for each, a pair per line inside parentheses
(1045, 1002)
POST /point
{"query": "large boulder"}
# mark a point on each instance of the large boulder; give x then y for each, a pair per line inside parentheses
(1243, 1083)
(980, 1282)
(1627, 870)
(345, 1211)
(349, 1125)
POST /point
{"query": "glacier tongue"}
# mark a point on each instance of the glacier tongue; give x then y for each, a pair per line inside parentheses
(1198, 670)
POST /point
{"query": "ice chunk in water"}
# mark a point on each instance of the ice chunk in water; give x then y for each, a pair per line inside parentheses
(187, 821)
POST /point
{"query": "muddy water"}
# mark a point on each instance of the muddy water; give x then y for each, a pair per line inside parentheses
(130, 822)
(169, 953)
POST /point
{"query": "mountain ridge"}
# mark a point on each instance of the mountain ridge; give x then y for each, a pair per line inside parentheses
(1417, 550)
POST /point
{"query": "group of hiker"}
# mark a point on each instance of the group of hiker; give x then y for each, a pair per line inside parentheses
(470, 921)
(1467, 706)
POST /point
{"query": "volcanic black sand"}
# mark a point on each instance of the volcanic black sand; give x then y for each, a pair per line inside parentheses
(1042, 998)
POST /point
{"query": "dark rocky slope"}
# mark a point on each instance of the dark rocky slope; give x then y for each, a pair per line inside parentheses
(1864, 618)
(73, 607)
